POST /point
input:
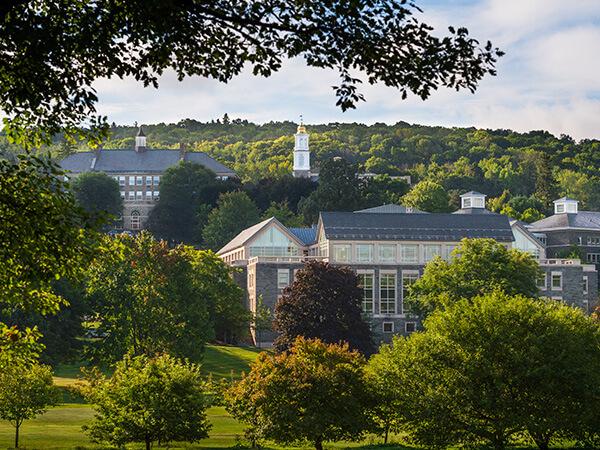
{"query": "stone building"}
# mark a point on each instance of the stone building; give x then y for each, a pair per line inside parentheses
(388, 247)
(138, 172)
(570, 230)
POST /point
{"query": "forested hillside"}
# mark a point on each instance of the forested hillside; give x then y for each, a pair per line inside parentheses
(459, 158)
(491, 161)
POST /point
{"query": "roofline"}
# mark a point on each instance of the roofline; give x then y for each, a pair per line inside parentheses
(536, 230)
(529, 235)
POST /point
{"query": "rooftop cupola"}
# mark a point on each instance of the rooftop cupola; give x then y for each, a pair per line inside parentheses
(566, 205)
(472, 200)
(140, 140)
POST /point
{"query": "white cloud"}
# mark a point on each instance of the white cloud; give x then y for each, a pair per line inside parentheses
(547, 80)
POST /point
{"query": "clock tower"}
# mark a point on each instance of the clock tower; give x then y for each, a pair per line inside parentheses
(301, 153)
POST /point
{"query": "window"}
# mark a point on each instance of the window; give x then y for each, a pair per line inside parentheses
(365, 282)
(121, 181)
(341, 253)
(560, 208)
(131, 181)
(135, 220)
(593, 258)
(156, 180)
(408, 279)
(478, 202)
(283, 278)
(273, 242)
(432, 251)
(410, 327)
(387, 253)
(542, 282)
(466, 202)
(586, 285)
(388, 327)
(156, 195)
(139, 180)
(593, 240)
(139, 195)
(387, 293)
(579, 240)
(364, 252)
(409, 253)
(131, 195)
(556, 281)
(148, 195)
(148, 181)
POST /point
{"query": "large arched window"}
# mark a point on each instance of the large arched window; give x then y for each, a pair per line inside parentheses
(135, 220)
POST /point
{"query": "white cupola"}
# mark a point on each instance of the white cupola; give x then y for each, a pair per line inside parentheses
(472, 200)
(140, 140)
(566, 205)
(301, 153)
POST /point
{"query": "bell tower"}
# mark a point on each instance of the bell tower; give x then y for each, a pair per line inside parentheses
(301, 153)
(140, 141)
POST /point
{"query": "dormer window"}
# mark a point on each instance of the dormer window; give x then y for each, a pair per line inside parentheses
(472, 200)
(566, 205)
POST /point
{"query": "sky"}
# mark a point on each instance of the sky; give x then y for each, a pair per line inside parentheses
(549, 79)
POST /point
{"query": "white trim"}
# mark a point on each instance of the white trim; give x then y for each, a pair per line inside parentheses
(552, 287)
(383, 324)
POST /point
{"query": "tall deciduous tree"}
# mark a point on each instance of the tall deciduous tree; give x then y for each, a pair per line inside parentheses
(98, 194)
(339, 189)
(44, 236)
(323, 302)
(493, 368)
(149, 298)
(53, 51)
(315, 392)
(476, 266)
(147, 400)
(235, 212)
(186, 191)
(26, 391)
(428, 196)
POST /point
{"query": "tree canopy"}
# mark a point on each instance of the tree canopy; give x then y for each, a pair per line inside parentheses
(149, 298)
(493, 369)
(147, 399)
(323, 302)
(53, 51)
(315, 392)
(476, 267)
(98, 194)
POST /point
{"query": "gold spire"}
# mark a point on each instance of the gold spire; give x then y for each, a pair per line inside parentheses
(301, 128)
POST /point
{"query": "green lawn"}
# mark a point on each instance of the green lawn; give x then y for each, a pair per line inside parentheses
(60, 427)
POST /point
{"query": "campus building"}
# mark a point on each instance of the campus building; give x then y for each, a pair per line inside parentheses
(388, 248)
(138, 172)
(569, 231)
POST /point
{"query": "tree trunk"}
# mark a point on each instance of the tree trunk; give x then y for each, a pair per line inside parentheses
(542, 442)
(148, 443)
(17, 435)
(319, 444)
(387, 431)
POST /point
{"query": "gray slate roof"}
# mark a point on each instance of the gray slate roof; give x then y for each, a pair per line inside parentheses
(390, 208)
(583, 219)
(417, 227)
(306, 235)
(151, 160)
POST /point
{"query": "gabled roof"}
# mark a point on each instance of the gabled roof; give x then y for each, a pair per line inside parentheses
(565, 199)
(308, 236)
(523, 227)
(244, 236)
(473, 193)
(152, 160)
(415, 227)
(582, 219)
(390, 208)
